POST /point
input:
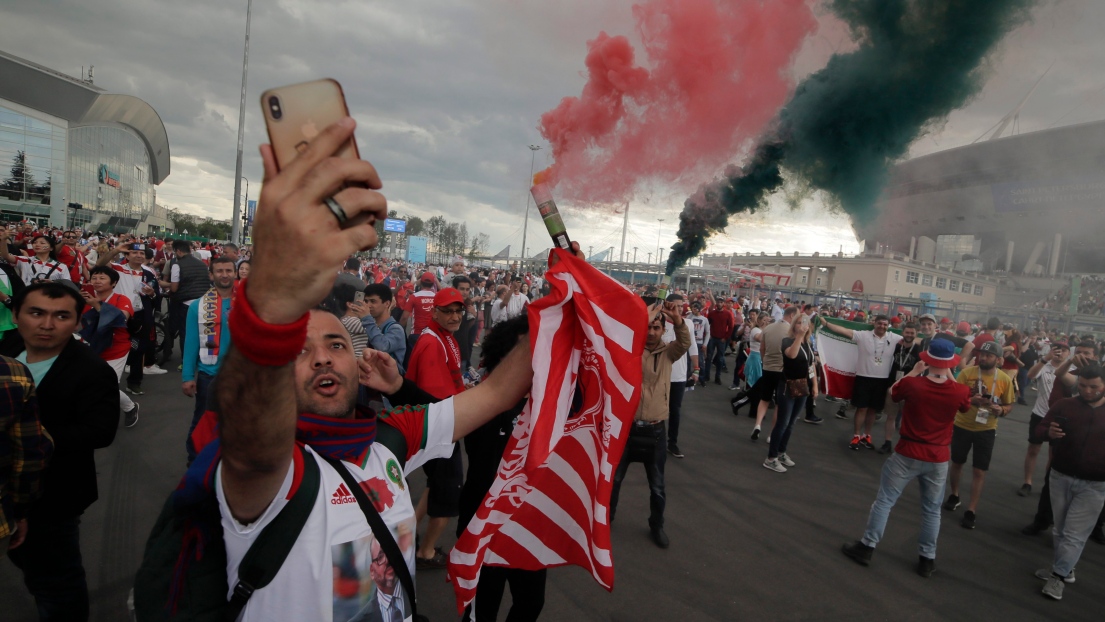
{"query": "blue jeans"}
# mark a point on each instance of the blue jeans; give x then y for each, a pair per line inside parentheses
(715, 354)
(786, 412)
(648, 445)
(1076, 504)
(897, 472)
(53, 572)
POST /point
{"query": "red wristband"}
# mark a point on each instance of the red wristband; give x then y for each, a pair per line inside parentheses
(270, 345)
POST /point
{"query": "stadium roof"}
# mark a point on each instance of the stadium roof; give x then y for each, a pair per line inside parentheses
(82, 104)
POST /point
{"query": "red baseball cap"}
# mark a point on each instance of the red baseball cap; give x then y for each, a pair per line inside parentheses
(428, 277)
(448, 296)
(963, 327)
(945, 320)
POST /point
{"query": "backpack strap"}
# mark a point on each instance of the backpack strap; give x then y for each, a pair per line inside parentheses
(381, 532)
(267, 553)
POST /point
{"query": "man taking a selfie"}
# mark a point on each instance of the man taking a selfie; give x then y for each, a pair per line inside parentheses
(291, 369)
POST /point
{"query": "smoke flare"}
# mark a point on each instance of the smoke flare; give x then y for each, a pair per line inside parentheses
(718, 74)
(917, 61)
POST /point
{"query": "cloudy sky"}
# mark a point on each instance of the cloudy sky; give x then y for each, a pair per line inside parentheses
(448, 93)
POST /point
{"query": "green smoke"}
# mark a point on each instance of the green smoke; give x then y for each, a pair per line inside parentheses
(916, 61)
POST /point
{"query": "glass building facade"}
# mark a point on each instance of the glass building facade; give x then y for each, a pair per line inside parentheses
(951, 249)
(103, 169)
(109, 171)
(33, 162)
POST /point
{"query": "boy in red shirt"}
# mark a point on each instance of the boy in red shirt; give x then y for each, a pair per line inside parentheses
(930, 405)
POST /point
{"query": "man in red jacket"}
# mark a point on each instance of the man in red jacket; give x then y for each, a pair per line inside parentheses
(435, 368)
(721, 329)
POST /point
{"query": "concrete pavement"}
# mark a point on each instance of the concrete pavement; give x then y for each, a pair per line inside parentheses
(746, 543)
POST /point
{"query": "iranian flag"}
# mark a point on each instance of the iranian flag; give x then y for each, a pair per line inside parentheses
(838, 357)
(549, 503)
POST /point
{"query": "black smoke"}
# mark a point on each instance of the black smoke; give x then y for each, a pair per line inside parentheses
(916, 61)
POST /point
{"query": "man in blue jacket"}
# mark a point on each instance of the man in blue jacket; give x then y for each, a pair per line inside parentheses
(207, 340)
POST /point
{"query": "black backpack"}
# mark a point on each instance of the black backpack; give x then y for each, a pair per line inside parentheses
(170, 587)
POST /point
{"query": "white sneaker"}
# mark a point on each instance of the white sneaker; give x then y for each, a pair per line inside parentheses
(773, 464)
(154, 370)
(785, 459)
(1045, 573)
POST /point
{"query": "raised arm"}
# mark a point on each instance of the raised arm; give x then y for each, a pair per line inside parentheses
(840, 330)
(298, 241)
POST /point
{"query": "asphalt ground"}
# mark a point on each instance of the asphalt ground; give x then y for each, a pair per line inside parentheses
(746, 543)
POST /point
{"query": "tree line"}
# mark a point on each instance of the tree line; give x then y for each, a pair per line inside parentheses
(442, 236)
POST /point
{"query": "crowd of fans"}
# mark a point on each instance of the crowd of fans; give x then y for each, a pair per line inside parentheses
(1091, 297)
(115, 291)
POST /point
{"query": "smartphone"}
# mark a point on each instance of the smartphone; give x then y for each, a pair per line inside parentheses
(87, 287)
(358, 297)
(295, 114)
(1062, 421)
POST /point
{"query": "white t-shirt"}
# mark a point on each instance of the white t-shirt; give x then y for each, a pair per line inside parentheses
(1044, 383)
(336, 541)
(876, 355)
(701, 328)
(754, 343)
(129, 285)
(31, 268)
(678, 368)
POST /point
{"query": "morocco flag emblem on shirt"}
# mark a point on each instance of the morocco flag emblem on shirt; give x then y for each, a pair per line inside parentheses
(549, 505)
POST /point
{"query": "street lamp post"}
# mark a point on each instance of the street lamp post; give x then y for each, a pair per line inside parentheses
(236, 225)
(633, 275)
(525, 224)
(658, 229)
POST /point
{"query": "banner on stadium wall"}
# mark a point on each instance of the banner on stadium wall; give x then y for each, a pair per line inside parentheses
(838, 356)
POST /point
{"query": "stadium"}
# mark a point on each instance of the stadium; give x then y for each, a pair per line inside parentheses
(1028, 205)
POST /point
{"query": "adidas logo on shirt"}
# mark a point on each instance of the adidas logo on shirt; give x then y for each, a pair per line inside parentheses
(342, 495)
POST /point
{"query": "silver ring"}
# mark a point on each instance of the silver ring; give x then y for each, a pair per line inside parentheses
(337, 210)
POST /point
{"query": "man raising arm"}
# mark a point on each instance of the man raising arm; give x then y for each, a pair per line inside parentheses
(292, 369)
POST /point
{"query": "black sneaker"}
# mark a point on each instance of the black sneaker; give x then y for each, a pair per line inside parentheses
(925, 566)
(1034, 529)
(755, 434)
(814, 420)
(673, 449)
(134, 390)
(886, 448)
(131, 416)
(660, 538)
(859, 552)
(968, 521)
(1025, 490)
(952, 504)
(841, 413)
(718, 380)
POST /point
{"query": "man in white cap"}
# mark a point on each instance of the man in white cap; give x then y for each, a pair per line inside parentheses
(930, 406)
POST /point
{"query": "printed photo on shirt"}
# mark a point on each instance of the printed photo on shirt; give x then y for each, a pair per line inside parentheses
(366, 587)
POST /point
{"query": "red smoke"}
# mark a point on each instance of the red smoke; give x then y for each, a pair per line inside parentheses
(718, 75)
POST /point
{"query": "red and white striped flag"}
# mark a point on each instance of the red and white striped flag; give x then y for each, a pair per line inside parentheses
(549, 505)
